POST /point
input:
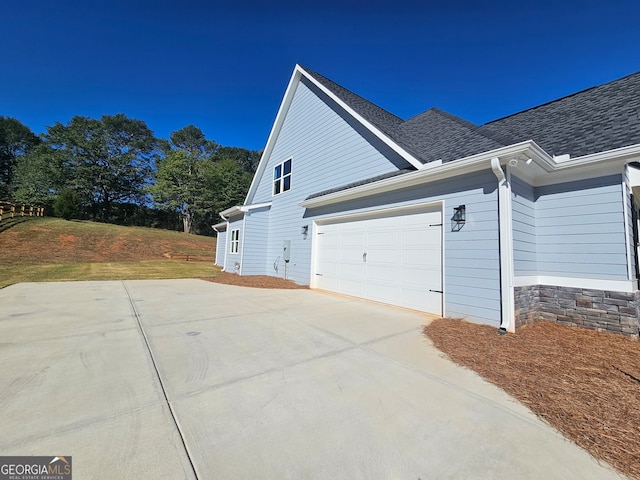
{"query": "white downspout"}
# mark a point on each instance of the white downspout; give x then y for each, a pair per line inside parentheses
(505, 227)
(244, 234)
(226, 243)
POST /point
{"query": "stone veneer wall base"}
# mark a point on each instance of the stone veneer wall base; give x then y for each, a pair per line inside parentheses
(601, 310)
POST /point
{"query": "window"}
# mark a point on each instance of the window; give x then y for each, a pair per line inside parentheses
(282, 177)
(235, 241)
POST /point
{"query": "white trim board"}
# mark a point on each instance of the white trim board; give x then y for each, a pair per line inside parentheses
(381, 211)
(549, 170)
(628, 286)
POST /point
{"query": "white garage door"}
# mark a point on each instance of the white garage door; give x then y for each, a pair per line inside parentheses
(394, 258)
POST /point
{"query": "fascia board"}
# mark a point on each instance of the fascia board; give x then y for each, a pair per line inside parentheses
(230, 211)
(275, 131)
(555, 171)
(219, 225)
(470, 164)
(368, 125)
(618, 155)
(246, 208)
(589, 166)
(225, 214)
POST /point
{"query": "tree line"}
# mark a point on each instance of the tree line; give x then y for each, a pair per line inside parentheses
(114, 169)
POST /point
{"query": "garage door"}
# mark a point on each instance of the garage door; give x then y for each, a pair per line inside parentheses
(393, 258)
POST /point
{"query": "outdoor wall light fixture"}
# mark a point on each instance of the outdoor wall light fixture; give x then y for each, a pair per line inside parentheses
(305, 231)
(459, 218)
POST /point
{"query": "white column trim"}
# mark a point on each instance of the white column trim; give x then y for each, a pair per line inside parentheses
(626, 192)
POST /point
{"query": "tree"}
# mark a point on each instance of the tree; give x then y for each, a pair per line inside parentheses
(67, 205)
(197, 181)
(182, 175)
(39, 175)
(247, 159)
(16, 139)
(228, 185)
(107, 160)
(190, 139)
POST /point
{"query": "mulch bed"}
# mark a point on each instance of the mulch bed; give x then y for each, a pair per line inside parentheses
(584, 383)
(256, 281)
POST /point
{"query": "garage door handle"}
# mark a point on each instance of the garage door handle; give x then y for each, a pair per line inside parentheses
(436, 291)
(364, 257)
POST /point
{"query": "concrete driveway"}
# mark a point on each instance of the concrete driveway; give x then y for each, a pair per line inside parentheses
(189, 379)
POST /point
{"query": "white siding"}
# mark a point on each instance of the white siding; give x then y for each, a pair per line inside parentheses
(580, 229)
(256, 230)
(233, 260)
(220, 247)
(327, 150)
(471, 255)
(524, 227)
(573, 229)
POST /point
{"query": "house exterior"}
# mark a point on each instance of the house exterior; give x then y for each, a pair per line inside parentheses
(526, 217)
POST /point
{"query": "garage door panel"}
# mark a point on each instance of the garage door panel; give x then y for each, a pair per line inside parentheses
(421, 276)
(352, 240)
(423, 301)
(387, 239)
(390, 273)
(351, 270)
(350, 256)
(376, 256)
(420, 237)
(351, 287)
(382, 224)
(388, 295)
(424, 261)
(395, 259)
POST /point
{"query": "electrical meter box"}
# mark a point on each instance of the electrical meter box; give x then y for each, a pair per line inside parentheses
(286, 250)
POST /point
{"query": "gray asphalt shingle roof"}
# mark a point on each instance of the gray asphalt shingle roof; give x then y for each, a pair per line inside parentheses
(438, 135)
(431, 135)
(395, 173)
(597, 119)
(593, 120)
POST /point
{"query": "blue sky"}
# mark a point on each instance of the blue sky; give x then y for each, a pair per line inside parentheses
(224, 66)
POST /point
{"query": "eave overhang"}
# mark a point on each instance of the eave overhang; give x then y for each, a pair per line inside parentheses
(525, 159)
(218, 226)
(238, 209)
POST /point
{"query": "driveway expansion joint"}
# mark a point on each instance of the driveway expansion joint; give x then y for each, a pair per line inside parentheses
(136, 314)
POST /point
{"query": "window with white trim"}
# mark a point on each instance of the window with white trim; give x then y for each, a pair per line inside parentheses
(282, 177)
(235, 241)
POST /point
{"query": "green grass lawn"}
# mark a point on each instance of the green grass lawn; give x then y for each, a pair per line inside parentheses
(45, 250)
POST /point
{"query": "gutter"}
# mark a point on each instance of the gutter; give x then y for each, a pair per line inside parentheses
(559, 167)
(428, 174)
(225, 214)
